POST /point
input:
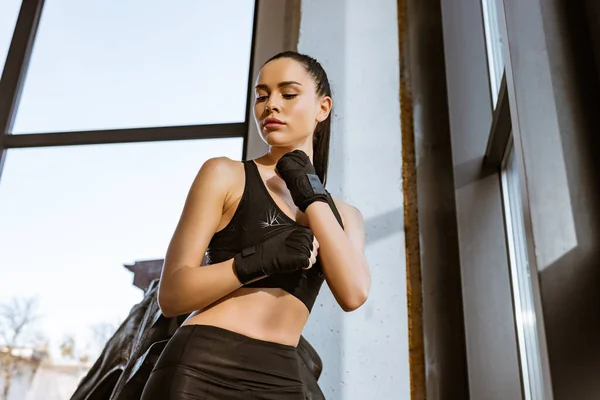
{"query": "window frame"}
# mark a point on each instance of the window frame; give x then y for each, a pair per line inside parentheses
(506, 135)
(491, 29)
(480, 130)
(15, 72)
(522, 287)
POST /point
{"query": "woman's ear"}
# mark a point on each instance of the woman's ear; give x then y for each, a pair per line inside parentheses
(325, 109)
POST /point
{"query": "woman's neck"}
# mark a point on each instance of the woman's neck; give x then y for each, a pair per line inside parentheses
(276, 152)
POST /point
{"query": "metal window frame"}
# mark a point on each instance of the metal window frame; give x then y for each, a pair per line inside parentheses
(476, 131)
(519, 34)
(15, 72)
(490, 24)
(501, 140)
(530, 368)
(500, 129)
(531, 109)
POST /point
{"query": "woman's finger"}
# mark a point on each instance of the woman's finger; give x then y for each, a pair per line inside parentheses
(310, 264)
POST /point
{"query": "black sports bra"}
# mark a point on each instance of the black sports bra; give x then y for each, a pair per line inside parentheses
(256, 217)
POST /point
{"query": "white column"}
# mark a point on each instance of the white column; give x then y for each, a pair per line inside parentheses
(365, 353)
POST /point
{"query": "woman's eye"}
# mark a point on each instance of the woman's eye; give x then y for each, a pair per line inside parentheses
(261, 98)
(289, 96)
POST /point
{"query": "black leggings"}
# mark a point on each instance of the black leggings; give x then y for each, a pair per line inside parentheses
(206, 362)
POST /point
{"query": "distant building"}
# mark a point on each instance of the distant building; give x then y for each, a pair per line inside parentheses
(39, 377)
(144, 272)
(24, 363)
(54, 381)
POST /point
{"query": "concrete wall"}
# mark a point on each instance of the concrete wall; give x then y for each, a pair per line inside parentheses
(365, 353)
(443, 323)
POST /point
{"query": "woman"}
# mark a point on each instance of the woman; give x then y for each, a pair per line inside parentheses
(259, 225)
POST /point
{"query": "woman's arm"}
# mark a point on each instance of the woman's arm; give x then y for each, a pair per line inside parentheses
(192, 288)
(184, 287)
(342, 252)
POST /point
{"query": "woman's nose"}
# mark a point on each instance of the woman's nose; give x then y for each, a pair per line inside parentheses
(271, 106)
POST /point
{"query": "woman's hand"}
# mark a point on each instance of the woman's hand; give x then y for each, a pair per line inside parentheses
(289, 250)
(300, 178)
(313, 254)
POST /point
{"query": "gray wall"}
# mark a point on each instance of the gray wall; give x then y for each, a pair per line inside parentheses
(443, 323)
(365, 353)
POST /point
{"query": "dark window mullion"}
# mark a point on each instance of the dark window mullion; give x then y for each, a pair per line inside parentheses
(250, 92)
(15, 67)
(215, 131)
(17, 60)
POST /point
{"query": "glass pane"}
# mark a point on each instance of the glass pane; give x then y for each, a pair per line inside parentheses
(493, 40)
(122, 64)
(9, 11)
(521, 282)
(71, 218)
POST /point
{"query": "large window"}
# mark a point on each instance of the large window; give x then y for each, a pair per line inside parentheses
(73, 216)
(114, 82)
(525, 316)
(121, 64)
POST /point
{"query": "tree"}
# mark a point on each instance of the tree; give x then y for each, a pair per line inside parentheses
(67, 347)
(17, 318)
(70, 350)
(101, 332)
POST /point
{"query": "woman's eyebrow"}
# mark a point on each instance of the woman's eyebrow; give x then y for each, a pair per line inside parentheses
(279, 85)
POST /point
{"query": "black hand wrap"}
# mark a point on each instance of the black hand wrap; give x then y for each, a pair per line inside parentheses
(301, 180)
(287, 251)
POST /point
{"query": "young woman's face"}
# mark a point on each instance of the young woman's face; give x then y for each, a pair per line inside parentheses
(287, 107)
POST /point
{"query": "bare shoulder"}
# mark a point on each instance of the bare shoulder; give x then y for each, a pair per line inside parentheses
(221, 167)
(220, 173)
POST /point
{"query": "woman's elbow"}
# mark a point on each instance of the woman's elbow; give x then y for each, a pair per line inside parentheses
(357, 298)
(354, 303)
(167, 305)
(171, 297)
(168, 313)
(166, 310)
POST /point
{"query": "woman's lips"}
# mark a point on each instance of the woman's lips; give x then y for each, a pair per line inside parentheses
(273, 125)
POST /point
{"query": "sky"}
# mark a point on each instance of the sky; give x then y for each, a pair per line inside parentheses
(71, 217)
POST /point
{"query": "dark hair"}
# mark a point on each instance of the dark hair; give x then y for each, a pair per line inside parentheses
(322, 131)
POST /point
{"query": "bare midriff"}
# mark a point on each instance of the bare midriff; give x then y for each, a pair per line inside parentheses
(269, 314)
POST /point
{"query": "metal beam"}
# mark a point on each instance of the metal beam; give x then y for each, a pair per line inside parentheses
(543, 183)
(15, 67)
(215, 131)
(250, 92)
(500, 129)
